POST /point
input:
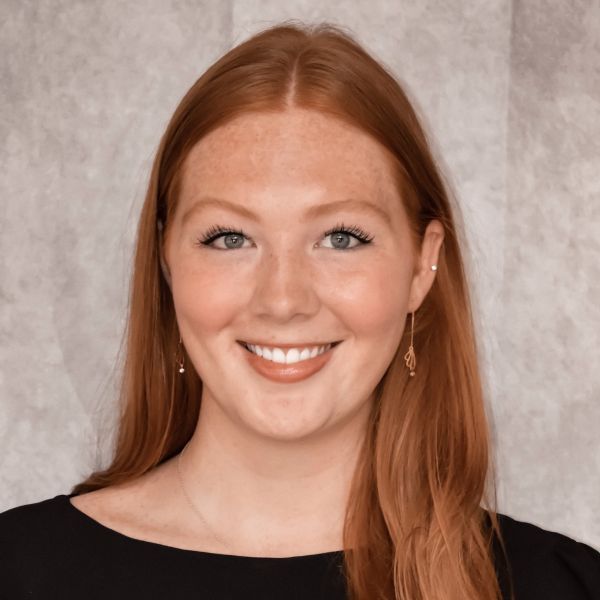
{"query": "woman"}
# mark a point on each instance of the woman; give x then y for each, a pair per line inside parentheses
(302, 407)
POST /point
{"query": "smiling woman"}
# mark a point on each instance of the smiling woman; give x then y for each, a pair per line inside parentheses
(281, 278)
(302, 412)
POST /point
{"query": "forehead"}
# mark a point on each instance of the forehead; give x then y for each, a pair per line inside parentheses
(289, 150)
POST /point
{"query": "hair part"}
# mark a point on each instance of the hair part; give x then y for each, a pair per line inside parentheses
(414, 526)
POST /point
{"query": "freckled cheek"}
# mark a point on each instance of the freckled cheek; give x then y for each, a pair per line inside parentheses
(371, 302)
(206, 298)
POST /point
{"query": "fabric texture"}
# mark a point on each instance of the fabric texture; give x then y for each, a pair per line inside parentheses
(50, 550)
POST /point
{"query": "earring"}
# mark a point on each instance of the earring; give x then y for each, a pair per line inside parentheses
(409, 357)
(180, 362)
(434, 267)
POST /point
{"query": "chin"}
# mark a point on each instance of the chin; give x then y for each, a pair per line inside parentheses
(288, 426)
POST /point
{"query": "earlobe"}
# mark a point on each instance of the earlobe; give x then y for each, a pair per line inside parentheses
(428, 264)
(163, 264)
(420, 287)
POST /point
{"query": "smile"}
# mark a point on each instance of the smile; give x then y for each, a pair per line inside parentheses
(288, 365)
(288, 355)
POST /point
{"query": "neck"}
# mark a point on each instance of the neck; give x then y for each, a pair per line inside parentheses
(270, 496)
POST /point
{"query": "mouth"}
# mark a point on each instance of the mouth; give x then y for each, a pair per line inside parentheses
(288, 364)
(258, 349)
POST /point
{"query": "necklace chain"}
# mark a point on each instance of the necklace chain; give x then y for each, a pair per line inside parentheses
(190, 502)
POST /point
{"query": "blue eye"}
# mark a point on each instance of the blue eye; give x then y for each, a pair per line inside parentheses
(340, 232)
(218, 231)
(236, 238)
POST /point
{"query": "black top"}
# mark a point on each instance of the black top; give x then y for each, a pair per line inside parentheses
(52, 550)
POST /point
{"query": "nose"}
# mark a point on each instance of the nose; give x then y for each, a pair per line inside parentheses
(285, 285)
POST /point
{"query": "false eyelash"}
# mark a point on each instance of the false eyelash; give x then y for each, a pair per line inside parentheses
(357, 232)
(216, 231)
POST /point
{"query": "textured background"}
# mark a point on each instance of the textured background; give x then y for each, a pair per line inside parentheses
(510, 92)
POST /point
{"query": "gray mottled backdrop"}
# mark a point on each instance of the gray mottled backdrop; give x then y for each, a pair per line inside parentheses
(510, 92)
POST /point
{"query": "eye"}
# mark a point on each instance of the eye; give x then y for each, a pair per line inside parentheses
(233, 239)
(340, 234)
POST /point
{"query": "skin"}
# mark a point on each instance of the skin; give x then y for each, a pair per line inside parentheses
(272, 462)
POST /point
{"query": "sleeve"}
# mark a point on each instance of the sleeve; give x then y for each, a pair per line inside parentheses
(555, 567)
(546, 565)
(580, 565)
(12, 584)
(30, 549)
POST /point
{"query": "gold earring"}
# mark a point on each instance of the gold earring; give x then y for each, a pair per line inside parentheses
(179, 361)
(409, 357)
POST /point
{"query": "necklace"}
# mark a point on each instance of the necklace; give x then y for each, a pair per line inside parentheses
(189, 500)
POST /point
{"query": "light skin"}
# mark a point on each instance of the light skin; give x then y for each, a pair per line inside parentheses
(269, 465)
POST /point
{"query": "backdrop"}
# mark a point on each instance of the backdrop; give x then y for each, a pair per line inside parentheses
(510, 93)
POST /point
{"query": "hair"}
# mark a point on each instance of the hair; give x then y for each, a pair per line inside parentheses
(414, 527)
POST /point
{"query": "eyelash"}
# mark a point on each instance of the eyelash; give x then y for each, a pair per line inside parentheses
(217, 231)
(357, 232)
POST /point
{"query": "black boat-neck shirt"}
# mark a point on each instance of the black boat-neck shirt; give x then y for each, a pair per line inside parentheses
(50, 550)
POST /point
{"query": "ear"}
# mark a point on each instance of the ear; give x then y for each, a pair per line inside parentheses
(163, 264)
(424, 277)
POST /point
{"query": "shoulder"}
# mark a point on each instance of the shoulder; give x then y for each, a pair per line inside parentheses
(42, 520)
(40, 517)
(31, 537)
(547, 564)
(56, 544)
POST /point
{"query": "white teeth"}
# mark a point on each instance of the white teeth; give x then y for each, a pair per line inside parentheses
(278, 355)
(293, 355)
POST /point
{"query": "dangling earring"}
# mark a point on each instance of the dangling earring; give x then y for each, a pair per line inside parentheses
(180, 362)
(409, 357)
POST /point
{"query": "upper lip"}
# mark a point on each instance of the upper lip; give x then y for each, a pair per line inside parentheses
(295, 345)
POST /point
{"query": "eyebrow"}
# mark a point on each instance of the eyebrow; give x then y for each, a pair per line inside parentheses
(313, 212)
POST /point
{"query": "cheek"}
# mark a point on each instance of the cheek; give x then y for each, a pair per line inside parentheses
(369, 297)
(370, 300)
(205, 297)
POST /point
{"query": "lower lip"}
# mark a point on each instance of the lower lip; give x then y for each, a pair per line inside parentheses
(283, 373)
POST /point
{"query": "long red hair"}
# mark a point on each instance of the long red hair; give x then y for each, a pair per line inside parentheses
(415, 527)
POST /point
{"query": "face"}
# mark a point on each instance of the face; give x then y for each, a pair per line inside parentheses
(273, 273)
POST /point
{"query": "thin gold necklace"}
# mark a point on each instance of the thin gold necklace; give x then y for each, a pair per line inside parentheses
(192, 505)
